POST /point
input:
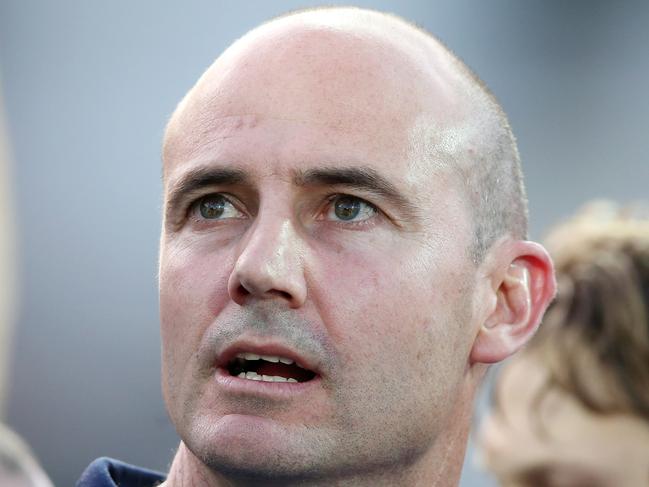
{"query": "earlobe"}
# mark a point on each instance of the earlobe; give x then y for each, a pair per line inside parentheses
(523, 292)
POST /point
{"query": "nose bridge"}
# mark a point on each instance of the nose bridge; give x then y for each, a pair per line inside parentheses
(276, 243)
(270, 262)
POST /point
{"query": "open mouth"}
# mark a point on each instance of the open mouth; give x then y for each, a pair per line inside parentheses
(268, 368)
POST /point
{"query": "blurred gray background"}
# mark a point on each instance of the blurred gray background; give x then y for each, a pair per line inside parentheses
(88, 87)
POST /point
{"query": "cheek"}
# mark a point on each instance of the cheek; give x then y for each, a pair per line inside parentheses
(392, 296)
(193, 290)
(394, 315)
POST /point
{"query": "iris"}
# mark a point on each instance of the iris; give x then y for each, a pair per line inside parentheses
(212, 206)
(347, 207)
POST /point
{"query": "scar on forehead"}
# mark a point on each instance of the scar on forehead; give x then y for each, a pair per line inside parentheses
(232, 123)
(185, 135)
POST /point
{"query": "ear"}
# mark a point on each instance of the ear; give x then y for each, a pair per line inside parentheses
(522, 286)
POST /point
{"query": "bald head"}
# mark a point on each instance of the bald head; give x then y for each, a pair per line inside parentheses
(382, 74)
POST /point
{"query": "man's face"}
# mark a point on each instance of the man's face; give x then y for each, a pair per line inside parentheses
(302, 224)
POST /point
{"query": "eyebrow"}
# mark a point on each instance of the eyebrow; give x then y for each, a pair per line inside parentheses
(200, 178)
(363, 178)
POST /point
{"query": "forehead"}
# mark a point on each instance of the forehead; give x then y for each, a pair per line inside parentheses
(263, 146)
(313, 94)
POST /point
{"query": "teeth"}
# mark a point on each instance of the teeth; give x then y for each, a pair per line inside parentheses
(268, 358)
(264, 378)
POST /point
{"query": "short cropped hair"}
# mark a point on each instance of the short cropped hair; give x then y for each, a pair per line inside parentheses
(493, 177)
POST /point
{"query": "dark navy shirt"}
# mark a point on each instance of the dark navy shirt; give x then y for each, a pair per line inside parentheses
(106, 472)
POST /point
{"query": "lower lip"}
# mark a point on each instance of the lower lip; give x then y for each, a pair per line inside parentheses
(259, 387)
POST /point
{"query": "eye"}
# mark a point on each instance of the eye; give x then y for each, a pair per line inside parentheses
(216, 207)
(350, 209)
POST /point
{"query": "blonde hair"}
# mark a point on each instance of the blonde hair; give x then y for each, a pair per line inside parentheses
(595, 336)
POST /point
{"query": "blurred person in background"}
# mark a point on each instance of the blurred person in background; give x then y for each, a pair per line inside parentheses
(7, 274)
(18, 467)
(572, 409)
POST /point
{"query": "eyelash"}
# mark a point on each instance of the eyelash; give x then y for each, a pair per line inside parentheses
(329, 206)
(194, 206)
(323, 211)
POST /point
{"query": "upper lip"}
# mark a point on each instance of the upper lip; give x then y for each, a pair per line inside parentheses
(264, 348)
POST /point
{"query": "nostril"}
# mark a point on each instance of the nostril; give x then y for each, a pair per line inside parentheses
(282, 294)
(240, 294)
(242, 291)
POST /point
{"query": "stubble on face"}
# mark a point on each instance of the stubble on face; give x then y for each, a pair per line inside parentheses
(340, 443)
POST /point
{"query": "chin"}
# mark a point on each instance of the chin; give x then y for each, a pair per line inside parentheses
(252, 449)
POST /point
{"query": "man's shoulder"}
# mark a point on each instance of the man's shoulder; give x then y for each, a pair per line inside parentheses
(107, 472)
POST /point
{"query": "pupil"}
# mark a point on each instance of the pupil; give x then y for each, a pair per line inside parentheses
(212, 207)
(347, 208)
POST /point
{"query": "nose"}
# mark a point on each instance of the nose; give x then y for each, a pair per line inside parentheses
(270, 266)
